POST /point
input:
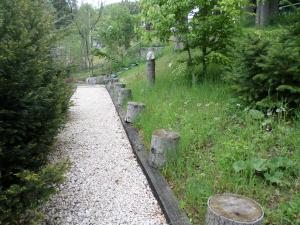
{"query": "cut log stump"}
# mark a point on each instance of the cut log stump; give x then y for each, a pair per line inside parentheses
(115, 90)
(133, 111)
(123, 95)
(230, 209)
(162, 142)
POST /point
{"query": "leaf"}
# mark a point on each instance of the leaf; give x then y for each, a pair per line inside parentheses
(258, 164)
(292, 89)
(182, 204)
(275, 178)
(239, 166)
(255, 114)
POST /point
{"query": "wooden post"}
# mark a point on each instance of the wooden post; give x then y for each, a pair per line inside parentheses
(115, 91)
(133, 111)
(111, 83)
(151, 67)
(162, 142)
(123, 95)
(230, 209)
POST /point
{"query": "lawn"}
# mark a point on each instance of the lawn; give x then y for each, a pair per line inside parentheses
(225, 146)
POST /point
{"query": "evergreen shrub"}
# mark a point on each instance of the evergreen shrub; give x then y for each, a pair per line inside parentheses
(267, 70)
(33, 104)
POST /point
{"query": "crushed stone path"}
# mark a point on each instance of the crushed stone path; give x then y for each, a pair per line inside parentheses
(105, 184)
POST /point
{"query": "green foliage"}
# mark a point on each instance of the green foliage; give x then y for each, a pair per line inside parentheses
(34, 100)
(268, 77)
(274, 170)
(210, 27)
(63, 10)
(217, 132)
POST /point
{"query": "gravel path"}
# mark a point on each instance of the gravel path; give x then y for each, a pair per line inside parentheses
(105, 184)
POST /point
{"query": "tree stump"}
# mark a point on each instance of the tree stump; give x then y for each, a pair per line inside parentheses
(91, 80)
(133, 111)
(110, 85)
(162, 142)
(230, 209)
(123, 95)
(115, 90)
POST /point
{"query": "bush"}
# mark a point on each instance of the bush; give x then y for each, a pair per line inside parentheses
(268, 77)
(34, 100)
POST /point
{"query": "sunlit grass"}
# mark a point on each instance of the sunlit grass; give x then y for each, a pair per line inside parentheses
(215, 133)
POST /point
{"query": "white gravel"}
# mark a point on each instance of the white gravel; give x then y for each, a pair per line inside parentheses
(105, 184)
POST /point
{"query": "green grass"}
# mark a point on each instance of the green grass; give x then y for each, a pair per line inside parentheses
(216, 132)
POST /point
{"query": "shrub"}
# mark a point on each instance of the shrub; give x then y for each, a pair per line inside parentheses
(34, 100)
(268, 77)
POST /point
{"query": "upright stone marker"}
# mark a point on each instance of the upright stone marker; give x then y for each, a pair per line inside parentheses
(151, 66)
(162, 142)
(133, 111)
(123, 95)
(230, 209)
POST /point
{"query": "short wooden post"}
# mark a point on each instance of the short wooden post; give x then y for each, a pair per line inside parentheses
(162, 142)
(91, 80)
(231, 209)
(123, 95)
(110, 85)
(115, 90)
(151, 67)
(133, 111)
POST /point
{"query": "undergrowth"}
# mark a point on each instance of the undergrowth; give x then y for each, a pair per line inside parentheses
(225, 146)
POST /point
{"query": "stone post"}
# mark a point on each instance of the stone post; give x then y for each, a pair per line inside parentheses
(162, 142)
(151, 66)
(123, 95)
(230, 209)
(133, 111)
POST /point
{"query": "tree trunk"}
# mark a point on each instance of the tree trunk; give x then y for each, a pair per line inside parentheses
(204, 65)
(230, 209)
(191, 65)
(265, 10)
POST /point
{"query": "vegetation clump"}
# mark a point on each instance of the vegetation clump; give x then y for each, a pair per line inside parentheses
(34, 101)
(268, 78)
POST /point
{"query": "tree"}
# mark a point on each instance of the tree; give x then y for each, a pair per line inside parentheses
(63, 10)
(205, 25)
(34, 100)
(265, 10)
(85, 21)
(268, 71)
(117, 27)
(116, 32)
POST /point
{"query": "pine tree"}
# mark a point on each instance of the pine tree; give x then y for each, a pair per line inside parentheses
(34, 100)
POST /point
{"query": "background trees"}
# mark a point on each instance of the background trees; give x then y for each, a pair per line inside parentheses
(208, 26)
(34, 100)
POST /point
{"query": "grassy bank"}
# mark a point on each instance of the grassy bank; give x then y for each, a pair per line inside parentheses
(225, 147)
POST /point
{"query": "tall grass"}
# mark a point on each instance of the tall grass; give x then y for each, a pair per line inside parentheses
(216, 132)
